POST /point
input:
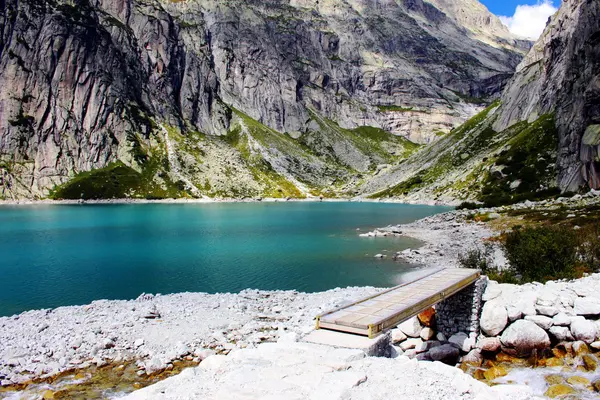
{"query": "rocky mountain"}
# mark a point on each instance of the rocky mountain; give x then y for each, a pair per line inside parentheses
(540, 138)
(157, 98)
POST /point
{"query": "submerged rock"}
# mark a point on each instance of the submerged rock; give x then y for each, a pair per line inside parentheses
(559, 390)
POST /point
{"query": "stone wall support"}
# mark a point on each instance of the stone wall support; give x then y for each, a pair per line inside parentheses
(461, 312)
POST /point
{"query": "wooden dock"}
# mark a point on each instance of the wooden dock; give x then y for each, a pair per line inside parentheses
(374, 314)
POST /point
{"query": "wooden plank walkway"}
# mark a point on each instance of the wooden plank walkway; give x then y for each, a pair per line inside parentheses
(374, 314)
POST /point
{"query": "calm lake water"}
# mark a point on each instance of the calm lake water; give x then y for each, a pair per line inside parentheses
(53, 255)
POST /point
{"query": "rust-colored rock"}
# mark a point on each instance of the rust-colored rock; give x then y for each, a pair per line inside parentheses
(427, 317)
(495, 372)
(579, 380)
(554, 379)
(48, 395)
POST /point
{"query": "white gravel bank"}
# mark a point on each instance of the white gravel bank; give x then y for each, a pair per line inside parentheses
(45, 342)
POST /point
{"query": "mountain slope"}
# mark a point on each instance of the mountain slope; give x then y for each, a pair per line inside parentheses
(86, 84)
(541, 137)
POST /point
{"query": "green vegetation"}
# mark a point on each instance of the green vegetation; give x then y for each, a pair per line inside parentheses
(114, 181)
(275, 184)
(467, 205)
(528, 164)
(541, 253)
(482, 259)
(117, 181)
(375, 143)
(401, 189)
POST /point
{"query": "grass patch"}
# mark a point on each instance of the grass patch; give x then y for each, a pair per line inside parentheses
(528, 161)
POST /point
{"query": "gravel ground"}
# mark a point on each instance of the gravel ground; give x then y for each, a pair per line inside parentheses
(155, 329)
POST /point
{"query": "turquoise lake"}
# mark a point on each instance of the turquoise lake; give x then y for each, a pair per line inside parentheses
(55, 255)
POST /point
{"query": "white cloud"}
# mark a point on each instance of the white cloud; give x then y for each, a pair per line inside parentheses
(530, 21)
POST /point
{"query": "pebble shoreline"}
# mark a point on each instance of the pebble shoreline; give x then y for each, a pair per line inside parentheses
(44, 343)
(154, 330)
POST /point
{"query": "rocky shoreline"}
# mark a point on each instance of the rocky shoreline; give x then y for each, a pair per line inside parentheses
(155, 331)
(28, 202)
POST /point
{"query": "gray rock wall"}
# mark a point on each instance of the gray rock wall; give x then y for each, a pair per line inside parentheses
(461, 312)
(80, 79)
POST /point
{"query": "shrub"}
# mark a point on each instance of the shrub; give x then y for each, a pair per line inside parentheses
(467, 205)
(589, 247)
(542, 253)
(483, 261)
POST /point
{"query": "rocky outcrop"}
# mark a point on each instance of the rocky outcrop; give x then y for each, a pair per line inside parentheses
(561, 75)
(85, 84)
(542, 135)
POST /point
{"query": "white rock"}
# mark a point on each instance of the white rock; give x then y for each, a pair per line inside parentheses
(494, 318)
(441, 337)
(513, 313)
(138, 343)
(588, 306)
(561, 333)
(595, 345)
(154, 365)
(474, 357)
(561, 319)
(290, 337)
(522, 337)
(426, 346)
(491, 292)
(398, 336)
(547, 299)
(548, 311)
(427, 333)
(542, 321)
(584, 330)
(490, 344)
(409, 344)
(411, 328)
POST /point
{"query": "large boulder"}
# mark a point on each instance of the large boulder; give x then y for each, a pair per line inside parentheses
(584, 330)
(494, 318)
(522, 337)
(587, 306)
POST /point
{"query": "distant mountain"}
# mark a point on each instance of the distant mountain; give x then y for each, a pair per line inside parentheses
(149, 98)
(541, 137)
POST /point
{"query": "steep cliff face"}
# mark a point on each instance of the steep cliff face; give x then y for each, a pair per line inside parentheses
(540, 138)
(484, 25)
(279, 89)
(561, 75)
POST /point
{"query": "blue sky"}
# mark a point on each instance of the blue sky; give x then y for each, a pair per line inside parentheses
(524, 18)
(508, 7)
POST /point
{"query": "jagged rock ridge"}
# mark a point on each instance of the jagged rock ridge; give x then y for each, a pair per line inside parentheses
(541, 137)
(89, 83)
